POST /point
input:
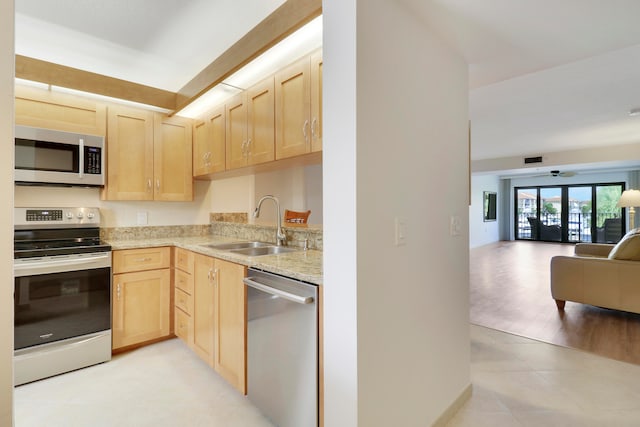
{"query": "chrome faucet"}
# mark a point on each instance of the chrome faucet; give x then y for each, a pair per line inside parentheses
(281, 238)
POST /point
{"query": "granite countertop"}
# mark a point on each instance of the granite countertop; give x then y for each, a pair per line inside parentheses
(300, 265)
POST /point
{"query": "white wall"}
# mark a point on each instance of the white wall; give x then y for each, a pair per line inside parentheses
(121, 213)
(297, 188)
(6, 210)
(481, 232)
(396, 324)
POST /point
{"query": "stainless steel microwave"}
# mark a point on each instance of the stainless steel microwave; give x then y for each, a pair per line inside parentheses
(49, 157)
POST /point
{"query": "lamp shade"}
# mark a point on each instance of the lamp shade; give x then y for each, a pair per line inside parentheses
(629, 198)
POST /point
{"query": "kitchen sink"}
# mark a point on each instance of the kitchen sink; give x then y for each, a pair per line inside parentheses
(237, 245)
(264, 250)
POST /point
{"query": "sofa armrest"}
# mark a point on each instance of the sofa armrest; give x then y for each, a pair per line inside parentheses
(597, 281)
(593, 249)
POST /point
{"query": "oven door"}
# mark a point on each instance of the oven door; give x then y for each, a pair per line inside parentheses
(61, 297)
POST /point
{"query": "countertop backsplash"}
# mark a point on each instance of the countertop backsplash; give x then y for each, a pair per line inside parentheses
(152, 232)
(236, 225)
(233, 225)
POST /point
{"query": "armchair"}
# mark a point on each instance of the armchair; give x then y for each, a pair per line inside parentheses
(599, 274)
(547, 232)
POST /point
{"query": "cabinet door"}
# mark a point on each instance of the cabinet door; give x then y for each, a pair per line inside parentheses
(203, 308)
(129, 154)
(141, 307)
(209, 144)
(260, 122)
(172, 158)
(293, 134)
(201, 148)
(236, 131)
(59, 111)
(217, 142)
(316, 101)
(231, 303)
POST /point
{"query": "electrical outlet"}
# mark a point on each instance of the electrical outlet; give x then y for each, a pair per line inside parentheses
(142, 218)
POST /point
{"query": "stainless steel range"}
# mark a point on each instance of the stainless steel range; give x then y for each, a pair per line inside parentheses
(62, 299)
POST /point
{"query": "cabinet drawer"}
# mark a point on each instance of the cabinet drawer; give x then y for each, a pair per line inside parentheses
(182, 326)
(183, 281)
(141, 259)
(183, 259)
(184, 301)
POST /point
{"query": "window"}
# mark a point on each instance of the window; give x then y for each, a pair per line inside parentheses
(569, 213)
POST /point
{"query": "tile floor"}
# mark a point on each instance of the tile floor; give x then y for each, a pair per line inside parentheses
(160, 385)
(522, 382)
(516, 382)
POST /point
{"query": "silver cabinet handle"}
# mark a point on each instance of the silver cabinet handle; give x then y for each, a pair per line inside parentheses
(158, 184)
(118, 291)
(304, 131)
(314, 123)
(149, 184)
(248, 147)
(143, 259)
(250, 281)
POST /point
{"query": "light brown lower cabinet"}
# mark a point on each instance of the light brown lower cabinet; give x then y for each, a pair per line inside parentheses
(231, 330)
(141, 299)
(218, 319)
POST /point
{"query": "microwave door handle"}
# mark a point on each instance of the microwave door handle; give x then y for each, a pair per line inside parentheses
(81, 155)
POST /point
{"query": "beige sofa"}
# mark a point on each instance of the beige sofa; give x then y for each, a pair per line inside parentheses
(603, 275)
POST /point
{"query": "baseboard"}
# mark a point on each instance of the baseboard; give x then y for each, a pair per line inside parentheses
(453, 408)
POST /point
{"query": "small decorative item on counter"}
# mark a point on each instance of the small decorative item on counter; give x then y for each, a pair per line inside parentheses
(294, 218)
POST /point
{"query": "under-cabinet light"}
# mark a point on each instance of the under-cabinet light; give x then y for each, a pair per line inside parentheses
(298, 44)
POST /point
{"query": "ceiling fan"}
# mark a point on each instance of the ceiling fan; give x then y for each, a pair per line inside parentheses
(556, 173)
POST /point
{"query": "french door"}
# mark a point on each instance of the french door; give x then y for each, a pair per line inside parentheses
(569, 213)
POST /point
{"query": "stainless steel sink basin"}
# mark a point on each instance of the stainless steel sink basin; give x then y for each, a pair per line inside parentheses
(264, 250)
(237, 245)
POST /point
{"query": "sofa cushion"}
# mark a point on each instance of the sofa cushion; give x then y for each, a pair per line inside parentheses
(628, 248)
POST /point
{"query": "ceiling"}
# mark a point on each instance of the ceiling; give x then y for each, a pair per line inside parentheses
(162, 44)
(544, 75)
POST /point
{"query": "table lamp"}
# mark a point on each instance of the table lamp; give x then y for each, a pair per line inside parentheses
(630, 199)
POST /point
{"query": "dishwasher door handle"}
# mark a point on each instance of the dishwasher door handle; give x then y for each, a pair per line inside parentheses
(250, 281)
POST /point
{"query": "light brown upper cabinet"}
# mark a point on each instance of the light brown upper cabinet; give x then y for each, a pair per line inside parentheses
(316, 101)
(250, 126)
(298, 122)
(59, 111)
(149, 156)
(209, 144)
(172, 159)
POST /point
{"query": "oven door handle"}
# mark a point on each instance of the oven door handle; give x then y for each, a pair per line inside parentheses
(32, 268)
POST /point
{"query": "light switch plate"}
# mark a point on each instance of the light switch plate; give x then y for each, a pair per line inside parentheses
(400, 231)
(455, 225)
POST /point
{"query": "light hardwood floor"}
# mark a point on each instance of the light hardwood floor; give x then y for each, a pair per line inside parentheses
(510, 292)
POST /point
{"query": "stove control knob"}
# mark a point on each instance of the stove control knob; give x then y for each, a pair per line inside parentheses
(79, 215)
(69, 215)
(90, 215)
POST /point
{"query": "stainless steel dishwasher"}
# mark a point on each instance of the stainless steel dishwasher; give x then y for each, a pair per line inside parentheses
(282, 348)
